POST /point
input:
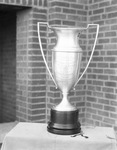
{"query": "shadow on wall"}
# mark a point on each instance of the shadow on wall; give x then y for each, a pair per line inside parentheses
(7, 67)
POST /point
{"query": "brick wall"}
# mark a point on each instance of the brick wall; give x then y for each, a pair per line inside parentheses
(101, 102)
(0, 77)
(8, 64)
(67, 13)
(31, 72)
(37, 71)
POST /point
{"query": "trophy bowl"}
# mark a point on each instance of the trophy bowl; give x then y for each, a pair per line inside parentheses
(66, 62)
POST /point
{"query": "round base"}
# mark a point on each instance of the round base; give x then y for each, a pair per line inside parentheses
(64, 122)
(63, 132)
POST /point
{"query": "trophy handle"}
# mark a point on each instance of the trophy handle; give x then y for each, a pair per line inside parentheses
(91, 53)
(39, 37)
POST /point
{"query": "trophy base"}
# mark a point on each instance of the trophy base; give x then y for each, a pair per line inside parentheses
(64, 122)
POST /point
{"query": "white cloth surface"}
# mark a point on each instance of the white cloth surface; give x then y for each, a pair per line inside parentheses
(34, 136)
(5, 128)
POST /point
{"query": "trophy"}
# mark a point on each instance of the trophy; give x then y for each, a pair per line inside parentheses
(66, 61)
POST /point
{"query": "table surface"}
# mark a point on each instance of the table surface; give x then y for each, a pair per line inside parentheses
(34, 136)
(5, 128)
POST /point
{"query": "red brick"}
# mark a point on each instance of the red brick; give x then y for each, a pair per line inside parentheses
(111, 8)
(108, 89)
(112, 15)
(62, 4)
(98, 106)
(113, 103)
(113, 78)
(104, 28)
(92, 76)
(91, 110)
(104, 4)
(110, 34)
(97, 59)
(76, 6)
(110, 84)
(37, 106)
(103, 77)
(110, 96)
(97, 117)
(112, 52)
(109, 71)
(109, 120)
(95, 18)
(103, 101)
(70, 23)
(113, 2)
(109, 59)
(91, 99)
(103, 113)
(104, 40)
(98, 11)
(37, 88)
(111, 21)
(71, 11)
(81, 12)
(113, 65)
(36, 118)
(93, 6)
(58, 16)
(113, 115)
(109, 108)
(36, 111)
(114, 40)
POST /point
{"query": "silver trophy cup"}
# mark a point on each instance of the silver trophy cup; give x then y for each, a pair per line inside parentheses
(66, 61)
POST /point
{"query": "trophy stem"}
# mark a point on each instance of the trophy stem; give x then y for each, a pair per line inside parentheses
(65, 104)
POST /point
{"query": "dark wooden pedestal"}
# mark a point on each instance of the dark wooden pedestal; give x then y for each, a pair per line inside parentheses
(64, 122)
